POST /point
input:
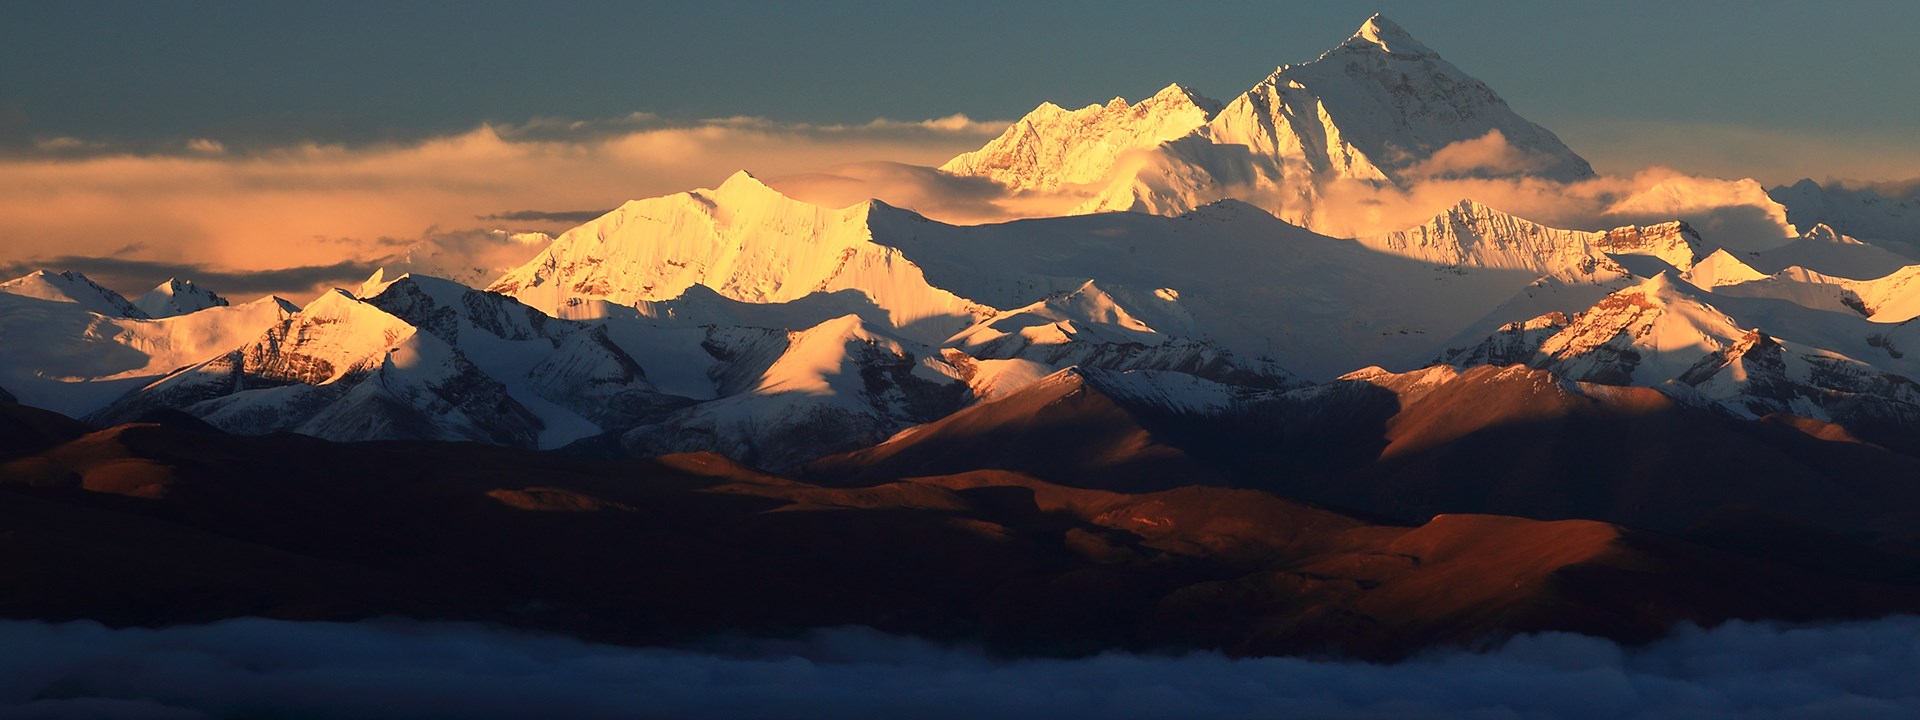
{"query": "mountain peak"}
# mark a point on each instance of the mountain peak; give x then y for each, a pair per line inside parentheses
(1177, 93)
(742, 180)
(177, 297)
(1469, 207)
(1666, 284)
(73, 287)
(1381, 33)
(1721, 268)
(1824, 233)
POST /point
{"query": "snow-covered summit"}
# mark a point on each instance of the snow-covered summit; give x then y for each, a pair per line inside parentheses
(745, 241)
(1884, 214)
(1379, 108)
(1051, 146)
(1384, 106)
(72, 287)
(1379, 32)
(177, 297)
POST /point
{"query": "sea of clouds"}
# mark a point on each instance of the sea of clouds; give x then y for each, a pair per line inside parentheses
(400, 669)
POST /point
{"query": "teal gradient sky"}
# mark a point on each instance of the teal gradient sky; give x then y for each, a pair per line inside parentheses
(1705, 86)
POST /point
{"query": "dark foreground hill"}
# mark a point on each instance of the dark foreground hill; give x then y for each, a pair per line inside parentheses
(169, 522)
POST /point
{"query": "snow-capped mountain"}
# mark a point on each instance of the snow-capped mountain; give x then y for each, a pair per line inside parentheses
(62, 356)
(177, 297)
(341, 369)
(789, 397)
(421, 358)
(73, 287)
(1721, 268)
(1862, 212)
(1379, 108)
(1052, 147)
(746, 242)
(1750, 355)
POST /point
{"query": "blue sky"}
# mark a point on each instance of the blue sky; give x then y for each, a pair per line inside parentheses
(1619, 80)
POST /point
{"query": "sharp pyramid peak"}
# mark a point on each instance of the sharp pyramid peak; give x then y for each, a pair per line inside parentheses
(1824, 233)
(744, 189)
(1176, 92)
(1382, 34)
(1470, 206)
(743, 186)
(742, 180)
(1666, 283)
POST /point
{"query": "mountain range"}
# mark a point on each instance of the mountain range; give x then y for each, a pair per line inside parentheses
(1190, 401)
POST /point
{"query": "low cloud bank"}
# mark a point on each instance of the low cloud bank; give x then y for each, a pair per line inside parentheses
(248, 668)
(218, 211)
(238, 211)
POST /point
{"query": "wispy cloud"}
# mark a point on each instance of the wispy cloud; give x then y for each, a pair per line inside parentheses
(290, 208)
(543, 216)
(1770, 154)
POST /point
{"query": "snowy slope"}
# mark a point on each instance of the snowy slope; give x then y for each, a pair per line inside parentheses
(1803, 287)
(177, 297)
(1227, 285)
(62, 357)
(1825, 251)
(72, 287)
(1721, 268)
(1894, 298)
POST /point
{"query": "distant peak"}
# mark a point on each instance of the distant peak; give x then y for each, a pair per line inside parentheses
(1824, 233)
(1664, 283)
(741, 187)
(1174, 90)
(1469, 206)
(1380, 33)
(742, 180)
(1183, 94)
